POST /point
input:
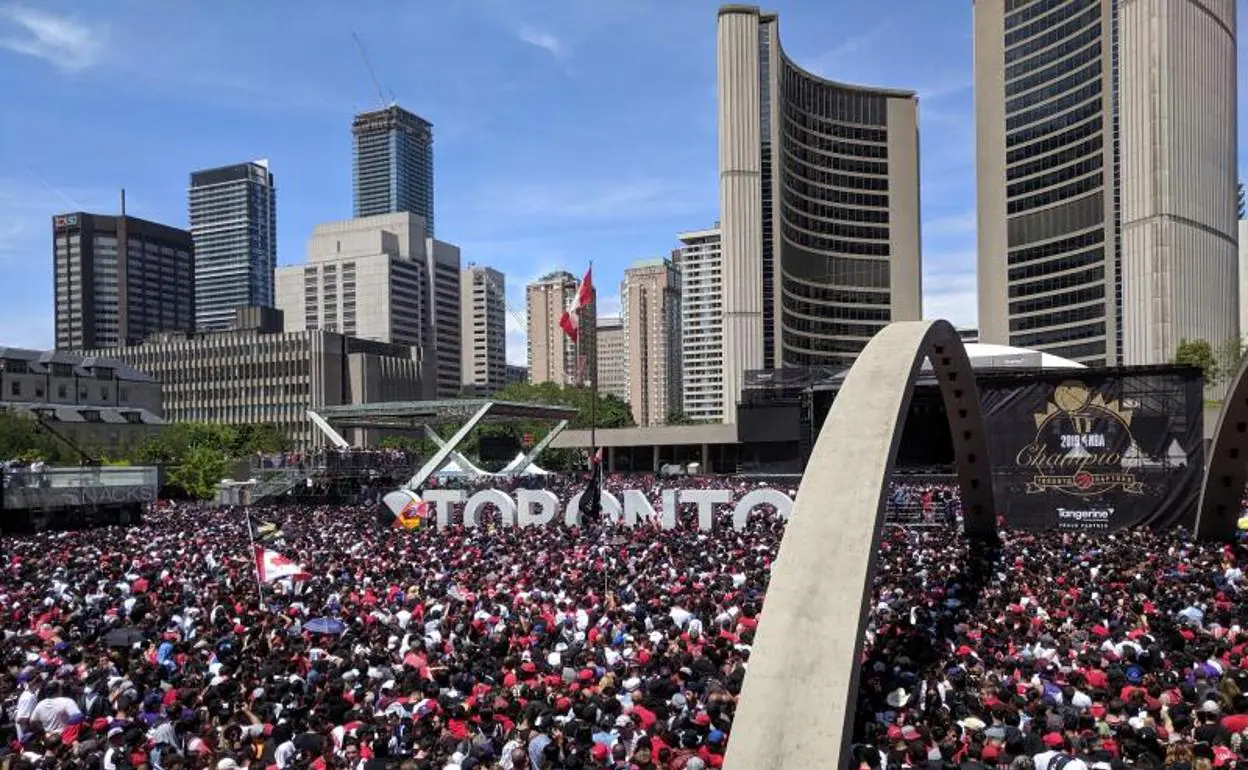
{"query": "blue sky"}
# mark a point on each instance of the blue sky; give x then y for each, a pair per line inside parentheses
(565, 130)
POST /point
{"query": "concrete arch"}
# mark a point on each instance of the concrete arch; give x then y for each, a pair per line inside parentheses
(797, 706)
(1226, 468)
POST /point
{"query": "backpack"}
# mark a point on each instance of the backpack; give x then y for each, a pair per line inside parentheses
(1060, 761)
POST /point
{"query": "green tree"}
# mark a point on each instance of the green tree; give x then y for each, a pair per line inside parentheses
(1198, 353)
(23, 438)
(419, 445)
(609, 411)
(1230, 357)
(263, 437)
(678, 417)
(200, 471)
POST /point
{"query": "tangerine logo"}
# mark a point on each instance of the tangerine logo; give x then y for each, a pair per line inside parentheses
(1080, 442)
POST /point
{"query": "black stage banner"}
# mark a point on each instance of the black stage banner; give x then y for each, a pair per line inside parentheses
(1096, 450)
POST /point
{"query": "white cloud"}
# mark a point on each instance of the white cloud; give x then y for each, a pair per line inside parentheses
(540, 39)
(846, 51)
(517, 346)
(963, 223)
(62, 41)
(943, 89)
(609, 306)
(26, 208)
(949, 288)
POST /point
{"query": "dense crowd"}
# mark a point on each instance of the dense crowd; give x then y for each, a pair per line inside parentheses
(552, 648)
(339, 459)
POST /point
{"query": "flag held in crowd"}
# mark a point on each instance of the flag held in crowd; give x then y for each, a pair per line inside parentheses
(269, 533)
(570, 321)
(403, 508)
(591, 499)
(271, 565)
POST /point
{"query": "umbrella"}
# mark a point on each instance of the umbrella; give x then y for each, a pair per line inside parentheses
(123, 637)
(325, 626)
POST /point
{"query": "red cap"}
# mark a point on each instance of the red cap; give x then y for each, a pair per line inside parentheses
(1053, 740)
(599, 752)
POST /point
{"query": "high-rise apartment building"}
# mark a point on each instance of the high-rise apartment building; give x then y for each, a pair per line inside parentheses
(701, 266)
(483, 324)
(233, 212)
(612, 357)
(393, 164)
(379, 278)
(553, 357)
(819, 207)
(516, 374)
(443, 321)
(1106, 165)
(120, 279)
(650, 305)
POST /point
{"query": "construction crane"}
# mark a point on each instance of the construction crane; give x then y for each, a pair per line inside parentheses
(381, 95)
(85, 458)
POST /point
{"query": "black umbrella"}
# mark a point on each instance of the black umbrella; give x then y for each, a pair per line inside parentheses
(123, 637)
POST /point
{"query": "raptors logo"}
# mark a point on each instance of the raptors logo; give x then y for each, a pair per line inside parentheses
(1083, 445)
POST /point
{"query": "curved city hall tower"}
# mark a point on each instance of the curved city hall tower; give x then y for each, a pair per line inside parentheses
(819, 207)
(1106, 165)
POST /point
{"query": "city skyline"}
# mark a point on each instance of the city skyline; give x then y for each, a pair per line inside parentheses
(521, 188)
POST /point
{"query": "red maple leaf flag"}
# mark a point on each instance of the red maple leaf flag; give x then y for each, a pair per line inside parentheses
(272, 565)
(570, 321)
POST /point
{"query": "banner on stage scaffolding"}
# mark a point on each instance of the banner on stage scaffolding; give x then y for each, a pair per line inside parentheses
(1102, 450)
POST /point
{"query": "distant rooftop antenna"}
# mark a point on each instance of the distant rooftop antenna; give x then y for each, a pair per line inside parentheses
(381, 95)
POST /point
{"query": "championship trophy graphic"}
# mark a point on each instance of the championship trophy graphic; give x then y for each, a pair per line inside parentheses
(1083, 445)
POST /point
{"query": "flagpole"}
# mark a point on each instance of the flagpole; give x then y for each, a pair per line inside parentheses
(593, 387)
(251, 536)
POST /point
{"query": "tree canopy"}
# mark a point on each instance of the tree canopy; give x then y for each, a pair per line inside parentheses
(198, 455)
(608, 412)
(1198, 353)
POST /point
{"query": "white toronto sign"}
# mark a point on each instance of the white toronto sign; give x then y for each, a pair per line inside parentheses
(540, 507)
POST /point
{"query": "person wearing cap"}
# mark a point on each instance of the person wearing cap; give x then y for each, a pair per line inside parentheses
(115, 753)
(31, 685)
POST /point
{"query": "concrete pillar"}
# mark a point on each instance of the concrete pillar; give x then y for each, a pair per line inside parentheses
(656, 458)
(706, 458)
(611, 459)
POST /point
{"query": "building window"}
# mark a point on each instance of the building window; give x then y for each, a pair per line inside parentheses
(123, 395)
(15, 388)
(38, 391)
(92, 415)
(62, 391)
